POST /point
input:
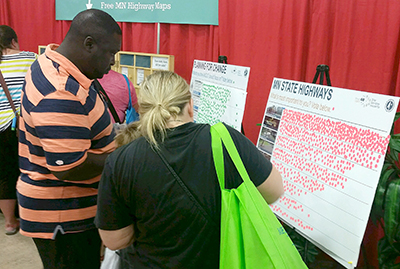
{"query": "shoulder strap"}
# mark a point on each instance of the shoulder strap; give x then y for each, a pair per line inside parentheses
(219, 135)
(14, 124)
(7, 92)
(104, 96)
(129, 90)
(182, 184)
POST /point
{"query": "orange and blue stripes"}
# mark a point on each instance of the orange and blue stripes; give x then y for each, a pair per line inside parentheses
(63, 119)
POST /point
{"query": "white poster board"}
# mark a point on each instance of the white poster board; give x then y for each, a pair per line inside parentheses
(139, 76)
(160, 63)
(329, 145)
(219, 92)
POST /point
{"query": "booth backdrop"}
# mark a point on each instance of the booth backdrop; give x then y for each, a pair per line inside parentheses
(358, 39)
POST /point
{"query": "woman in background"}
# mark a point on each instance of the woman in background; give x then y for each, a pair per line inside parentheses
(13, 64)
(116, 87)
(141, 203)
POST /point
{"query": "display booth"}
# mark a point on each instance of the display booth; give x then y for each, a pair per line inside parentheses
(136, 66)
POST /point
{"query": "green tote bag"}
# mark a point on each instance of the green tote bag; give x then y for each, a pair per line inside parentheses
(251, 235)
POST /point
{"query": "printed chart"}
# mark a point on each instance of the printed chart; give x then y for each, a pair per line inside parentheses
(219, 93)
(329, 145)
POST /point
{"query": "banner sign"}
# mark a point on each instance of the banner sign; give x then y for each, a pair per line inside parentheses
(219, 93)
(329, 144)
(147, 11)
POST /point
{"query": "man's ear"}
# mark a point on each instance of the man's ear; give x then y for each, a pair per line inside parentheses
(89, 43)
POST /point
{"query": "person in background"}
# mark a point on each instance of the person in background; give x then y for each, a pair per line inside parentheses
(116, 87)
(13, 64)
(142, 206)
(65, 136)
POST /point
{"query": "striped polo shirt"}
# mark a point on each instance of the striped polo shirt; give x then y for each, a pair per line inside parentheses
(62, 119)
(13, 67)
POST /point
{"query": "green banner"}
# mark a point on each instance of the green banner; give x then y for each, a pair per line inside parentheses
(148, 11)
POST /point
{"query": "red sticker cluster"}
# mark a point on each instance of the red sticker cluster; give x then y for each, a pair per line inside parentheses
(313, 153)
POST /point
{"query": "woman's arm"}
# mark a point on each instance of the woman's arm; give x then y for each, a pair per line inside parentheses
(272, 188)
(117, 239)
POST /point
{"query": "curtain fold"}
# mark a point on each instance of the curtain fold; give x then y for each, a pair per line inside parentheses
(4, 11)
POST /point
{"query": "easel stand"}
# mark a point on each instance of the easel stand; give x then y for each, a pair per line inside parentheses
(224, 60)
(322, 70)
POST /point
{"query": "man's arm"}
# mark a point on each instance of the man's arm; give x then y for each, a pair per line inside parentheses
(90, 168)
(117, 239)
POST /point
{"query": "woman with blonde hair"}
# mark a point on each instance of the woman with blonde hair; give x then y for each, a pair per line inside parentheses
(160, 194)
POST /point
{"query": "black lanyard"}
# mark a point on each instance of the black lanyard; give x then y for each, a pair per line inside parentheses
(103, 95)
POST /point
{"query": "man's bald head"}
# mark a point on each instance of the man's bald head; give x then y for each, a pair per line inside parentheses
(94, 22)
(92, 42)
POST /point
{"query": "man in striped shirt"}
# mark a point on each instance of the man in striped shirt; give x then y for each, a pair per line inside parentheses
(65, 136)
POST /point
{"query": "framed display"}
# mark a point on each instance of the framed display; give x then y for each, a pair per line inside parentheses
(136, 66)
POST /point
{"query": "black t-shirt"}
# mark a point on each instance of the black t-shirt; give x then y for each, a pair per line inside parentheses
(170, 231)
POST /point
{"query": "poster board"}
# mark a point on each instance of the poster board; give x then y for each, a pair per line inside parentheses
(329, 145)
(219, 92)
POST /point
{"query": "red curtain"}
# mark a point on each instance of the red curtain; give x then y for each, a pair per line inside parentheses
(358, 39)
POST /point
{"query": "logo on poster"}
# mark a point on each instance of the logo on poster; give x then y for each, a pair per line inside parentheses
(367, 101)
(389, 105)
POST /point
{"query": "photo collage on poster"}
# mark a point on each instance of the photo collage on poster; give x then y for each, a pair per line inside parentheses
(269, 130)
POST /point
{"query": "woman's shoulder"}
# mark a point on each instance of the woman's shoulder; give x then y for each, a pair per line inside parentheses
(205, 128)
(129, 148)
(195, 128)
(22, 55)
(239, 138)
(28, 54)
